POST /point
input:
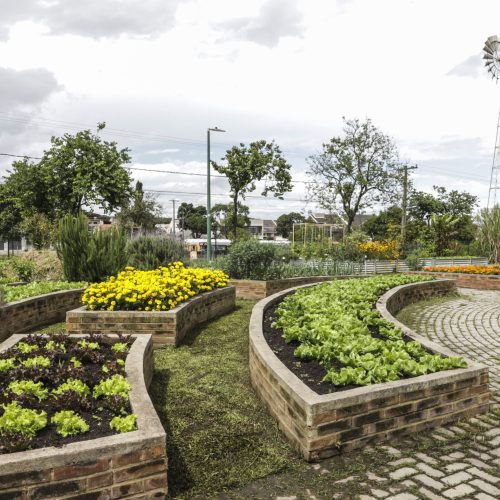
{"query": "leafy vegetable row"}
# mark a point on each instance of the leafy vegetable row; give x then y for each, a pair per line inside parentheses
(337, 325)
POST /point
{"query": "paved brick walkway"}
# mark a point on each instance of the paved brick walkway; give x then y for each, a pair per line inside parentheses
(457, 461)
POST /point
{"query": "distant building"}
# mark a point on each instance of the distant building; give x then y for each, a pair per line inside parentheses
(14, 246)
(263, 229)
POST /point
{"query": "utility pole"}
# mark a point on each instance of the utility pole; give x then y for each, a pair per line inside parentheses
(405, 199)
(209, 208)
(173, 215)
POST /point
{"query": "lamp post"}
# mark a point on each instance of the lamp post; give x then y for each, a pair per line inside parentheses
(209, 208)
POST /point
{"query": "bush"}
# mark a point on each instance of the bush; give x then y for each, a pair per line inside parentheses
(151, 252)
(250, 260)
(88, 256)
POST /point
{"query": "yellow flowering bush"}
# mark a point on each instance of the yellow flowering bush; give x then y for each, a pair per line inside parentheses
(157, 290)
(388, 249)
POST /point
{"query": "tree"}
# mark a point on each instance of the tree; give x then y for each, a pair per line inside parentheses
(385, 225)
(193, 218)
(489, 233)
(223, 217)
(260, 161)
(141, 211)
(285, 222)
(85, 171)
(355, 171)
(443, 232)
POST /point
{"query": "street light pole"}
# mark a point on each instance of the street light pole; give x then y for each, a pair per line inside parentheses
(209, 208)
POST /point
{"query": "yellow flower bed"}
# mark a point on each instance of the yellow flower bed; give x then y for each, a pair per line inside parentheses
(157, 290)
(470, 269)
(388, 249)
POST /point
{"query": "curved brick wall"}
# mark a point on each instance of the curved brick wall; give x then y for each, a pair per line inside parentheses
(320, 426)
(28, 314)
(463, 280)
(166, 327)
(130, 465)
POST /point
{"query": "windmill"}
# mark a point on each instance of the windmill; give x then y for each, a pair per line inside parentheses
(491, 56)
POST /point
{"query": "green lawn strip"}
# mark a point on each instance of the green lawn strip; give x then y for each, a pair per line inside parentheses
(220, 436)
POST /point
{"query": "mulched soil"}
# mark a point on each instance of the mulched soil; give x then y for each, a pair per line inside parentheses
(309, 372)
(94, 412)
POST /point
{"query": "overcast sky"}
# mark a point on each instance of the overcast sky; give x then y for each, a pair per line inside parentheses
(159, 72)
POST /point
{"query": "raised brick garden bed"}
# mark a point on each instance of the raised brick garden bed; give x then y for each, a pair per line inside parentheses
(463, 280)
(130, 465)
(27, 314)
(320, 426)
(166, 327)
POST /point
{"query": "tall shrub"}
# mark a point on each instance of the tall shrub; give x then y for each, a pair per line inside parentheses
(88, 256)
(250, 260)
(489, 233)
(150, 252)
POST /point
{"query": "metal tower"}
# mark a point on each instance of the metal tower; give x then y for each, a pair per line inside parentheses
(493, 196)
(491, 56)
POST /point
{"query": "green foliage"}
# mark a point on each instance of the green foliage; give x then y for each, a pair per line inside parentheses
(7, 364)
(39, 230)
(124, 424)
(68, 423)
(88, 345)
(24, 268)
(141, 211)
(223, 219)
(151, 252)
(285, 222)
(356, 171)
(385, 225)
(117, 384)
(25, 348)
(489, 233)
(72, 385)
(13, 293)
(120, 347)
(22, 420)
(30, 388)
(51, 345)
(244, 166)
(333, 324)
(36, 362)
(249, 260)
(192, 218)
(89, 256)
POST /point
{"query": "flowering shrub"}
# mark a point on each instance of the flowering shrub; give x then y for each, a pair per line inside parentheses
(464, 269)
(388, 249)
(157, 290)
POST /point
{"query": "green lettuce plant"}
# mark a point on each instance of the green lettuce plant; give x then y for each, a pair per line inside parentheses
(117, 384)
(29, 387)
(124, 424)
(16, 419)
(36, 362)
(7, 364)
(69, 423)
(72, 385)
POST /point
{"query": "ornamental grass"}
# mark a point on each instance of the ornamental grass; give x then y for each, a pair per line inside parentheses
(157, 290)
(493, 269)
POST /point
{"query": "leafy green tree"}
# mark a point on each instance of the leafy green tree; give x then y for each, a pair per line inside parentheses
(355, 171)
(244, 166)
(141, 210)
(86, 171)
(285, 222)
(443, 231)
(193, 218)
(223, 217)
(385, 225)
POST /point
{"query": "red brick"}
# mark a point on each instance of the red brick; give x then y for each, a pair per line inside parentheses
(78, 470)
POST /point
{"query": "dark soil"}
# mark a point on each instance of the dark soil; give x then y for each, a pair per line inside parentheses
(96, 413)
(310, 372)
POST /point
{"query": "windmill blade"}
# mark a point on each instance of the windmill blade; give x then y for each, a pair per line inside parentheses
(492, 39)
(488, 48)
(488, 56)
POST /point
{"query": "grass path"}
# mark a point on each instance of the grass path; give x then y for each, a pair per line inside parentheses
(220, 435)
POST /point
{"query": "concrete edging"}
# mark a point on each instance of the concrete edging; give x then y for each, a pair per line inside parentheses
(320, 426)
(119, 465)
(166, 327)
(27, 314)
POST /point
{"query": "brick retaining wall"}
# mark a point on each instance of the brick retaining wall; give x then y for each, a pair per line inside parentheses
(130, 465)
(166, 327)
(463, 280)
(27, 314)
(255, 289)
(320, 426)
